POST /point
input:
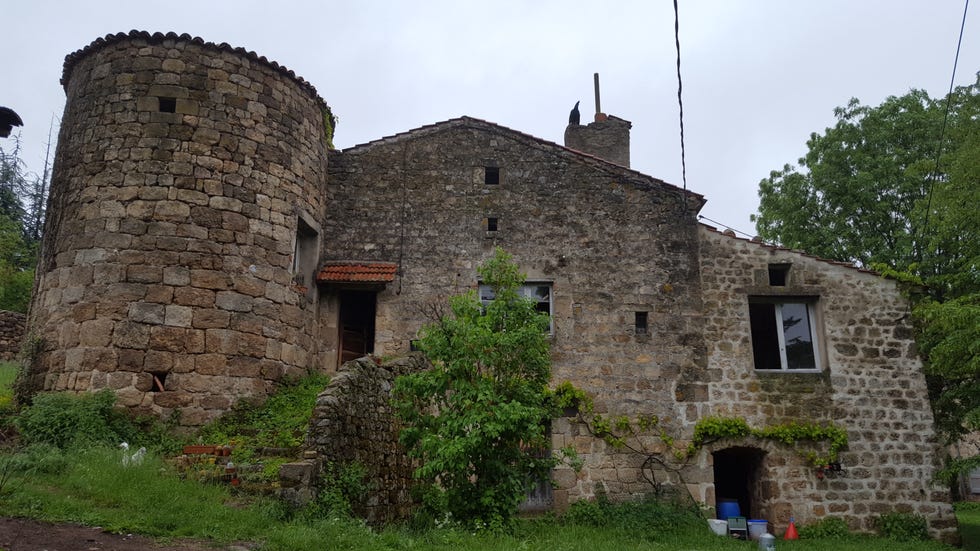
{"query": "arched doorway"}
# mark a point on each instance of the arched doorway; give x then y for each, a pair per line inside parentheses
(738, 475)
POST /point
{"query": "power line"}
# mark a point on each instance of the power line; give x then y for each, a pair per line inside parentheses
(942, 131)
(680, 88)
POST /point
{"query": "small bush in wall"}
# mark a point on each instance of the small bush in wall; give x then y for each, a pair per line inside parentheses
(902, 527)
(829, 528)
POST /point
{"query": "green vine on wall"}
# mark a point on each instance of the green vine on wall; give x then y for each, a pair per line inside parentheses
(329, 125)
(624, 433)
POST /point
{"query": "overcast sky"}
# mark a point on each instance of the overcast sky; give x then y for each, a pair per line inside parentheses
(759, 76)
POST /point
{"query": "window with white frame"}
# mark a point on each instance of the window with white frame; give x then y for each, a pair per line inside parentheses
(539, 292)
(784, 334)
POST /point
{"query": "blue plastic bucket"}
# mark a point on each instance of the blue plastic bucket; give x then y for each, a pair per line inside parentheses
(728, 508)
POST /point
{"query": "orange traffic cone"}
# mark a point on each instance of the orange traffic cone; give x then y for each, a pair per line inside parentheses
(791, 531)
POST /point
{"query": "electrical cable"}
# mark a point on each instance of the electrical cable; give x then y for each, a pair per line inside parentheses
(942, 131)
(680, 101)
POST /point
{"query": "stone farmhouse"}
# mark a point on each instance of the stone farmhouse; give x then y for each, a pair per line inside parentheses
(205, 240)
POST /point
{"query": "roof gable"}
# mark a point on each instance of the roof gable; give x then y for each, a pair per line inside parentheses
(531, 141)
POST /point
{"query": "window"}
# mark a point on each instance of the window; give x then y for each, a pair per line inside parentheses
(491, 175)
(304, 254)
(783, 335)
(492, 223)
(777, 274)
(539, 292)
(168, 105)
(641, 323)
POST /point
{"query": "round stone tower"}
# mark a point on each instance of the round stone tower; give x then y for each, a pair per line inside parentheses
(183, 226)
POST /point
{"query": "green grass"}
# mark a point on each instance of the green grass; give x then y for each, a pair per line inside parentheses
(969, 517)
(8, 372)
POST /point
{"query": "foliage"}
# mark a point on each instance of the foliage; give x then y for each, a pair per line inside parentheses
(8, 372)
(950, 339)
(902, 527)
(68, 420)
(651, 515)
(280, 421)
(968, 515)
(477, 418)
(826, 528)
(341, 487)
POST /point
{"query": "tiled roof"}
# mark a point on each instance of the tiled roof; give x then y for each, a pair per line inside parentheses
(357, 272)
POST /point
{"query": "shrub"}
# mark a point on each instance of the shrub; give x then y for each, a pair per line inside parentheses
(902, 527)
(67, 420)
(830, 527)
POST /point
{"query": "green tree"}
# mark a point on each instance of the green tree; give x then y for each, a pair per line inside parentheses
(868, 191)
(477, 419)
(18, 252)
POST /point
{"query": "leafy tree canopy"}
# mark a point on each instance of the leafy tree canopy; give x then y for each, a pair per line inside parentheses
(477, 419)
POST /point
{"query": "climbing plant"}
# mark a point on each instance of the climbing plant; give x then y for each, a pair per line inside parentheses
(626, 433)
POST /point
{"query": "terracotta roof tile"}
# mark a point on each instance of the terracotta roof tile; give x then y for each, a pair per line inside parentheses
(357, 272)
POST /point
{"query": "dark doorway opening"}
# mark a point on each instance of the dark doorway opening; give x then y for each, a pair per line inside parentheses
(357, 311)
(738, 476)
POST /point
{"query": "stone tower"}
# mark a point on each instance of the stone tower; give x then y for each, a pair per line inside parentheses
(183, 231)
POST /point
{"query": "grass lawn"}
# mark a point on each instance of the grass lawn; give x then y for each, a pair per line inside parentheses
(8, 372)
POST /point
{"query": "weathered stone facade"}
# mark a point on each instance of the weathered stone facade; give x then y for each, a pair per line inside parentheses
(12, 325)
(868, 381)
(183, 172)
(192, 205)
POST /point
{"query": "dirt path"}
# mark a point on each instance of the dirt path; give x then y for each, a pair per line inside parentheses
(18, 534)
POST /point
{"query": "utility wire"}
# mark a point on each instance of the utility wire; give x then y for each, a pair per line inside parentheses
(680, 101)
(726, 226)
(942, 131)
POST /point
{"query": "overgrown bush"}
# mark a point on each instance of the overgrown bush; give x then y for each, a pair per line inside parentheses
(830, 527)
(651, 515)
(67, 420)
(342, 486)
(902, 527)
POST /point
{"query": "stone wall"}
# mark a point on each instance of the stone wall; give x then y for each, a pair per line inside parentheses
(353, 422)
(12, 326)
(607, 138)
(868, 380)
(608, 241)
(184, 173)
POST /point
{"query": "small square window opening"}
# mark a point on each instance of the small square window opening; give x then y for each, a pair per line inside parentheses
(168, 105)
(778, 274)
(641, 323)
(158, 382)
(491, 224)
(491, 176)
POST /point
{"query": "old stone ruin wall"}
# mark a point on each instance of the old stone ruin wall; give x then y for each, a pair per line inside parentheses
(186, 176)
(12, 326)
(353, 423)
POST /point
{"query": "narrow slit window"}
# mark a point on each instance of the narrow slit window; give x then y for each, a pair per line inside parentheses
(168, 105)
(778, 274)
(492, 224)
(641, 323)
(159, 381)
(491, 175)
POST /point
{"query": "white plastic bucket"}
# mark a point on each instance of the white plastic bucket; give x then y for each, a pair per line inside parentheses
(757, 527)
(719, 527)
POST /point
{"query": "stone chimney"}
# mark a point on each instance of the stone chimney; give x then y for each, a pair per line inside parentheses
(607, 138)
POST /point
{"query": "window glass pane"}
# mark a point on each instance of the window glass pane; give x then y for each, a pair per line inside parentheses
(798, 336)
(486, 293)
